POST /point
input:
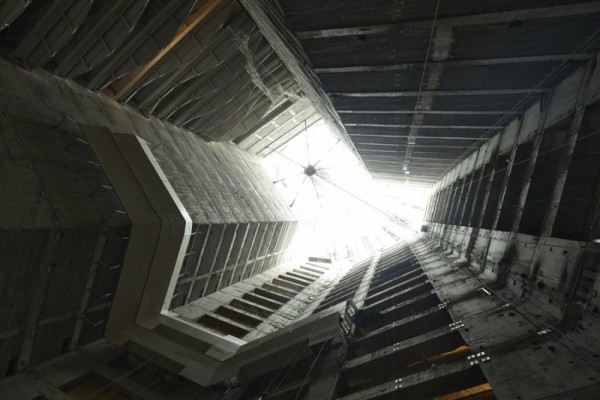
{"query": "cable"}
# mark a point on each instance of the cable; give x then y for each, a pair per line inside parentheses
(392, 218)
(298, 192)
(283, 367)
(327, 153)
(586, 43)
(307, 149)
(289, 159)
(408, 148)
(310, 370)
(290, 369)
(579, 138)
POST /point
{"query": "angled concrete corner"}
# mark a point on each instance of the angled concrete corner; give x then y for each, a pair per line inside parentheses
(160, 234)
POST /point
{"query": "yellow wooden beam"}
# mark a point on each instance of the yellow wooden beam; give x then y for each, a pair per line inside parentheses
(483, 391)
(122, 86)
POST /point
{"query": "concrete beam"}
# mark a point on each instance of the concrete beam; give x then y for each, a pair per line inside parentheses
(428, 112)
(473, 92)
(402, 345)
(503, 17)
(461, 127)
(456, 63)
(406, 136)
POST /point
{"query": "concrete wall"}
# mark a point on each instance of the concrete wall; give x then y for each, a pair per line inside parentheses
(64, 232)
(63, 235)
(527, 200)
(524, 209)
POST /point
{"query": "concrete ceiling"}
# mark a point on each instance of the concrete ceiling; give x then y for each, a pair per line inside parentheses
(200, 64)
(419, 85)
(415, 87)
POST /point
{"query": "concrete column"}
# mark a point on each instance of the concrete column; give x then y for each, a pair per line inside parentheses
(537, 141)
(458, 201)
(461, 212)
(478, 179)
(504, 184)
(485, 182)
(570, 141)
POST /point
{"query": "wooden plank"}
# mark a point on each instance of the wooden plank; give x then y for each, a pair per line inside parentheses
(123, 87)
